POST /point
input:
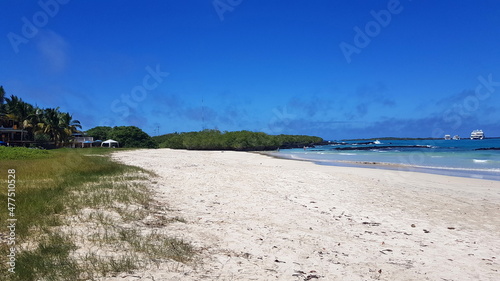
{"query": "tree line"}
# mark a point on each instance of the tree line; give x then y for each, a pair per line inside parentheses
(127, 136)
(43, 125)
(40, 124)
(238, 140)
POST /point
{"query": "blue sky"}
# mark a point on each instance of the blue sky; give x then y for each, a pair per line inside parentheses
(336, 69)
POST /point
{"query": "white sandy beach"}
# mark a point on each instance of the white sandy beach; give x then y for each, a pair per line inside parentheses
(253, 217)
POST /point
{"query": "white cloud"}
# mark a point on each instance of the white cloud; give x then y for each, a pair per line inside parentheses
(53, 50)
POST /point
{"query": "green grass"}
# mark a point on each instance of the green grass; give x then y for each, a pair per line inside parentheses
(57, 190)
(98, 266)
(11, 153)
(43, 184)
(52, 253)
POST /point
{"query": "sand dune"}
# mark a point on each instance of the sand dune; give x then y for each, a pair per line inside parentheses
(253, 217)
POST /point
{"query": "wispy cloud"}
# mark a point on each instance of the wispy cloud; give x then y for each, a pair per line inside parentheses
(367, 113)
(369, 97)
(53, 50)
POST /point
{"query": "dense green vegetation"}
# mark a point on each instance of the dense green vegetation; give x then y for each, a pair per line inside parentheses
(100, 132)
(240, 140)
(44, 126)
(50, 125)
(40, 124)
(63, 198)
(12, 153)
(127, 136)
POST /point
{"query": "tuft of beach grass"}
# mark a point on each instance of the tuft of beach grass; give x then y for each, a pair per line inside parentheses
(83, 216)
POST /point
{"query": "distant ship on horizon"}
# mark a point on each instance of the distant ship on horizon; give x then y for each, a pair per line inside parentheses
(477, 135)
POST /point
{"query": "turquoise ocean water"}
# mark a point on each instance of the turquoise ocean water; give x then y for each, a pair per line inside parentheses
(465, 158)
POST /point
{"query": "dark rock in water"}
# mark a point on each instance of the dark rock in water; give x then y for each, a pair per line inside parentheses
(297, 145)
(489, 148)
(327, 142)
(347, 143)
(384, 147)
(365, 143)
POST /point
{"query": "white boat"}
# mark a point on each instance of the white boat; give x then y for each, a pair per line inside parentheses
(477, 135)
(456, 137)
(447, 137)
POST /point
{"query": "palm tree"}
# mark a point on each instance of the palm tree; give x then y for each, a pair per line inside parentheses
(19, 111)
(58, 125)
(2, 106)
(31, 123)
(2, 98)
(68, 126)
(49, 124)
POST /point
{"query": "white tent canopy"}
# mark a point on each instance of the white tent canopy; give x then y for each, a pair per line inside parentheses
(110, 143)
